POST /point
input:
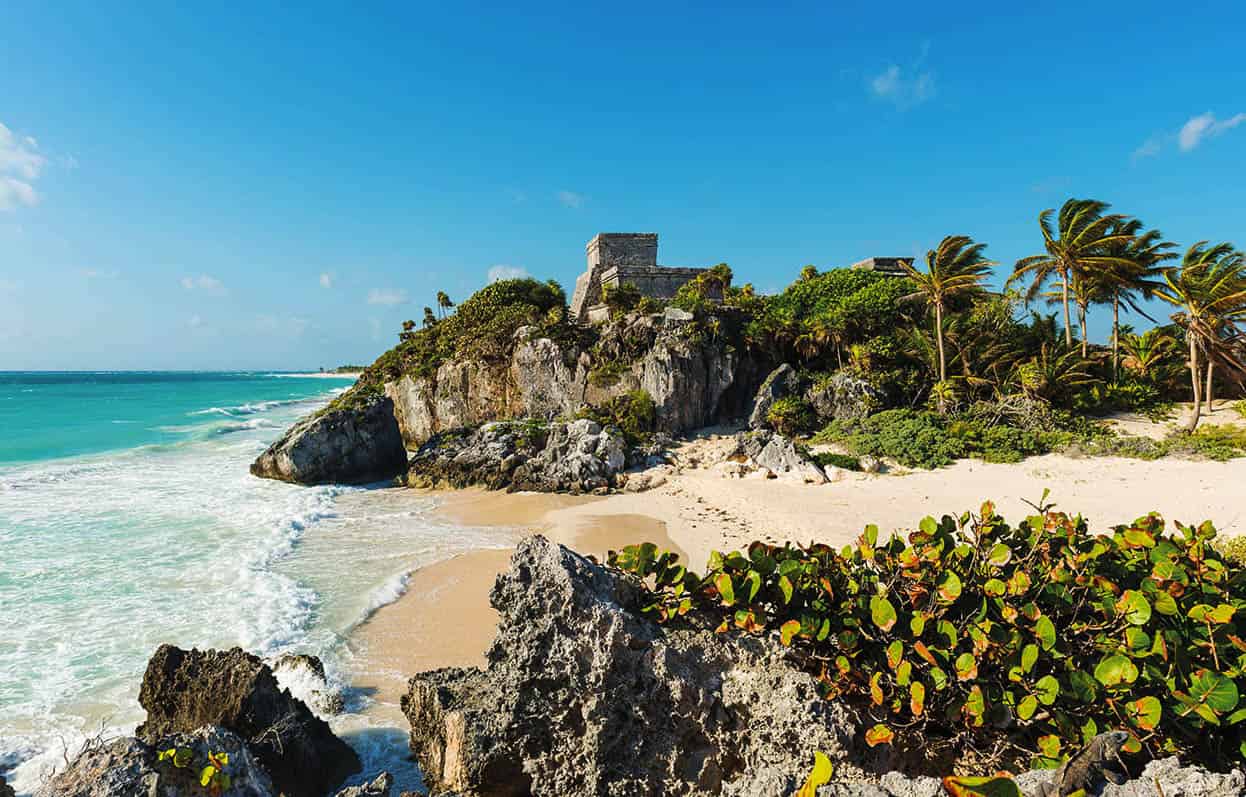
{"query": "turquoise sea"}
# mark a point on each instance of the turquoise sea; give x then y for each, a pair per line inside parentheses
(128, 518)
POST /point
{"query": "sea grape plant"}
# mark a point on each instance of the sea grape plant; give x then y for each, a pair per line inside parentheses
(212, 776)
(1019, 642)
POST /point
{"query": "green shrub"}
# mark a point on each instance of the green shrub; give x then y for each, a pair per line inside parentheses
(621, 299)
(634, 413)
(1220, 443)
(1128, 396)
(1232, 548)
(606, 374)
(1013, 642)
(791, 416)
(914, 438)
(831, 459)
(1240, 408)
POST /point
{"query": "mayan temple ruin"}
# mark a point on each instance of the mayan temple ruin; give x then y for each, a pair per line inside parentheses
(617, 258)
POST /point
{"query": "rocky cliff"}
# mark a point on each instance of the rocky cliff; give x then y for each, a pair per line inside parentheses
(351, 445)
(694, 380)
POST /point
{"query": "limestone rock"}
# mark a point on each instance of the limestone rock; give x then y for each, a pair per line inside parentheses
(379, 786)
(1176, 781)
(339, 446)
(583, 696)
(777, 454)
(781, 382)
(304, 676)
(128, 767)
(843, 397)
(578, 457)
(5, 789)
(184, 690)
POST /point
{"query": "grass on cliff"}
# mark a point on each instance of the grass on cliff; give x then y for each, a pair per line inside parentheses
(976, 644)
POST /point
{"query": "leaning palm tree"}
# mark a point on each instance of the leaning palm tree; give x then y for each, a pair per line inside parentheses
(1132, 277)
(1075, 245)
(1210, 288)
(956, 267)
(443, 303)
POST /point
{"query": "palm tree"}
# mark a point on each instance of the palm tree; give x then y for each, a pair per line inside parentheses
(956, 267)
(1074, 246)
(429, 318)
(1210, 288)
(443, 303)
(1131, 277)
(1051, 373)
(1148, 355)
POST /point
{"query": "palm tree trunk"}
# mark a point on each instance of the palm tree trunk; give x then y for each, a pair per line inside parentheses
(1068, 323)
(1081, 319)
(1116, 335)
(1194, 380)
(939, 339)
(1208, 399)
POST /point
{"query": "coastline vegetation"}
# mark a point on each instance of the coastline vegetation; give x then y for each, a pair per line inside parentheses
(992, 644)
(949, 366)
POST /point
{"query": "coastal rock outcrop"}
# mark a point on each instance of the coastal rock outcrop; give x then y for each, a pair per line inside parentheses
(129, 767)
(577, 456)
(351, 446)
(842, 396)
(305, 677)
(693, 381)
(778, 455)
(781, 382)
(5, 789)
(584, 696)
(379, 786)
(186, 690)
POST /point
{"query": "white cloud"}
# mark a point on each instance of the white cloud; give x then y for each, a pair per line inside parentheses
(326, 280)
(194, 322)
(503, 271)
(1193, 133)
(571, 199)
(387, 296)
(1205, 126)
(904, 88)
(15, 192)
(204, 283)
(20, 165)
(93, 273)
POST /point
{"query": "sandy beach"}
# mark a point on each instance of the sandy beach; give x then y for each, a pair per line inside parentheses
(444, 619)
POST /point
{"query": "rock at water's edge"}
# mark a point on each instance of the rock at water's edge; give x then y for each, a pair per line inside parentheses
(5, 789)
(379, 786)
(582, 696)
(128, 767)
(352, 446)
(184, 690)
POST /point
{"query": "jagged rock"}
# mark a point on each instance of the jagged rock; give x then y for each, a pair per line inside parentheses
(892, 784)
(781, 382)
(843, 397)
(578, 456)
(872, 464)
(304, 676)
(5, 789)
(778, 455)
(351, 446)
(583, 696)
(377, 787)
(128, 767)
(1174, 779)
(693, 382)
(184, 690)
(676, 314)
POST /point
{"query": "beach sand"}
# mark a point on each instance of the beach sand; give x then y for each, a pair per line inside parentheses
(445, 618)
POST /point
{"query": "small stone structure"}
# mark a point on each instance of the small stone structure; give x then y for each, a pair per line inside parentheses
(616, 258)
(884, 265)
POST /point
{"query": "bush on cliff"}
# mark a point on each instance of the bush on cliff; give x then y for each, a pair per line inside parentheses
(482, 326)
(634, 413)
(993, 642)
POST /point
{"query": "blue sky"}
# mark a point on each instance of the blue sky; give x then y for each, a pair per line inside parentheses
(279, 187)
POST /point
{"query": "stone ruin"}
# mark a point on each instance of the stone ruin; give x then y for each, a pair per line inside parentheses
(617, 258)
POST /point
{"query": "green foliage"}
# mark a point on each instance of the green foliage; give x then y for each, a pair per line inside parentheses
(622, 299)
(701, 294)
(971, 630)
(1232, 548)
(1130, 395)
(828, 458)
(634, 413)
(1220, 443)
(606, 374)
(212, 775)
(791, 416)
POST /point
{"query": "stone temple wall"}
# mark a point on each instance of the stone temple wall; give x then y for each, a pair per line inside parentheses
(615, 258)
